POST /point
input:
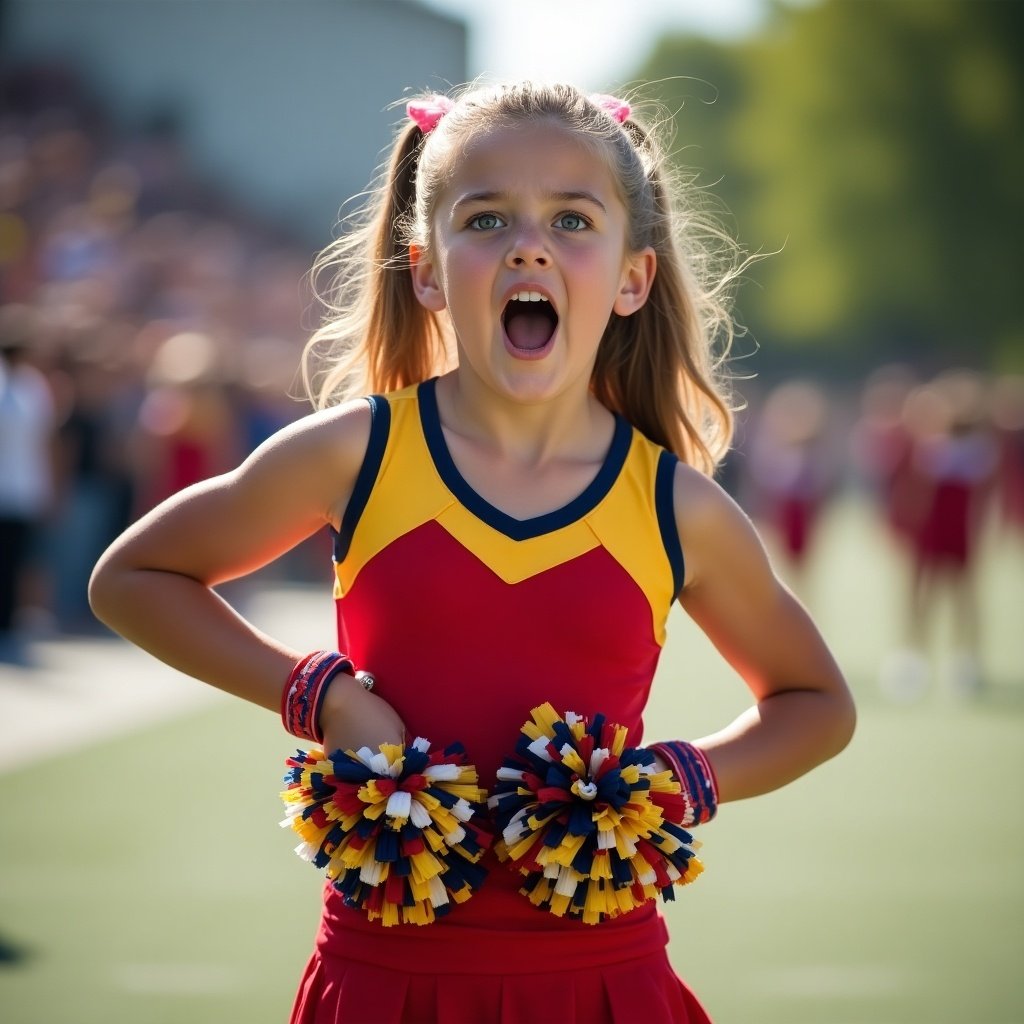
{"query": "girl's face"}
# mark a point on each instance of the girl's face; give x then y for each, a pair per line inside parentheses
(529, 257)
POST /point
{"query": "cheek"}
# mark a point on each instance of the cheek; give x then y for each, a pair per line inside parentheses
(596, 258)
(467, 272)
(601, 271)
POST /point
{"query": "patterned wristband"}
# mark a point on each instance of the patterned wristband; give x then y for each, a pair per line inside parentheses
(696, 777)
(304, 693)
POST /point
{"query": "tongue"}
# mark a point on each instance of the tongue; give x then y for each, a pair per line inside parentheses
(529, 330)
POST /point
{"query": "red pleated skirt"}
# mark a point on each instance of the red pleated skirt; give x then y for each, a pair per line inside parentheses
(501, 962)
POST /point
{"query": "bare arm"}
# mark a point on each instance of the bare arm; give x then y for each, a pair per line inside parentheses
(804, 713)
(153, 585)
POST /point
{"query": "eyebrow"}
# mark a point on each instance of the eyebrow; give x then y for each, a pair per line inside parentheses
(560, 197)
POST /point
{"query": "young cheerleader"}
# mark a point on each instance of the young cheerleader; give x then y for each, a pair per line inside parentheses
(514, 510)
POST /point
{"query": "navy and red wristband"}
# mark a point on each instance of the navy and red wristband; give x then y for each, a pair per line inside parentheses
(303, 695)
(696, 778)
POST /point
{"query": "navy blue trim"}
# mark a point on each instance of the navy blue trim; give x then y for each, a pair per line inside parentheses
(518, 529)
(664, 505)
(380, 428)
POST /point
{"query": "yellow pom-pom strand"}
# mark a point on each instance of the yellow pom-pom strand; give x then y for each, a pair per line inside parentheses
(397, 830)
(590, 824)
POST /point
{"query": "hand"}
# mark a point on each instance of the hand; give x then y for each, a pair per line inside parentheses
(352, 717)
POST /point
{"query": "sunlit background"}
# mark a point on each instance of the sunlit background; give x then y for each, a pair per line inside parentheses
(168, 170)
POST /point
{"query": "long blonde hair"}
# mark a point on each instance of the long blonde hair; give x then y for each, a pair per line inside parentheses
(662, 368)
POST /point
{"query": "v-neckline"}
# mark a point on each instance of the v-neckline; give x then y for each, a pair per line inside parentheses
(517, 529)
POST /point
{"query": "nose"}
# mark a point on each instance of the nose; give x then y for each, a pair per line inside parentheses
(528, 248)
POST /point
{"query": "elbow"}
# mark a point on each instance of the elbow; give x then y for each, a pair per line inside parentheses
(103, 592)
(98, 593)
(842, 723)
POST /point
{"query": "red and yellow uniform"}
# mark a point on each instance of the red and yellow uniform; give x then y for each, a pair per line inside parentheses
(469, 618)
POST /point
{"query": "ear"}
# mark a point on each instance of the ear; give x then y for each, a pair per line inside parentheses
(637, 278)
(425, 282)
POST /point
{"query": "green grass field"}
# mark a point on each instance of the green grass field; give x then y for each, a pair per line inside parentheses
(145, 878)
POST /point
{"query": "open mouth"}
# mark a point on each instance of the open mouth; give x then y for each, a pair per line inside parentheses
(529, 320)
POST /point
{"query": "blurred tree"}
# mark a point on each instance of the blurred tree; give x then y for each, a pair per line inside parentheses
(878, 145)
(702, 84)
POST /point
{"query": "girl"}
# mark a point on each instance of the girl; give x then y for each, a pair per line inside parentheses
(512, 520)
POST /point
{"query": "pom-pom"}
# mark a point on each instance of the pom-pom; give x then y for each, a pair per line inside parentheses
(589, 823)
(394, 829)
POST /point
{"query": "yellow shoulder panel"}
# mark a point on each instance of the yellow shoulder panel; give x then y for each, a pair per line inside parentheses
(626, 524)
(407, 492)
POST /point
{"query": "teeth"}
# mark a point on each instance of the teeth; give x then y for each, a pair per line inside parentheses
(529, 297)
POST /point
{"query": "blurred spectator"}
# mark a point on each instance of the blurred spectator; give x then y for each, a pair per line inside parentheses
(187, 427)
(95, 486)
(883, 452)
(792, 467)
(954, 458)
(26, 469)
(1007, 408)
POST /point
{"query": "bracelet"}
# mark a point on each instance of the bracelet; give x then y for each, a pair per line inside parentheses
(696, 778)
(303, 695)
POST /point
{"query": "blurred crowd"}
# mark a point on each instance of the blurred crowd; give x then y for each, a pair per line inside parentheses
(941, 460)
(150, 334)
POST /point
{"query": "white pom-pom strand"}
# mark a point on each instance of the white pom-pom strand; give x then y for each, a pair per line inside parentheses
(399, 805)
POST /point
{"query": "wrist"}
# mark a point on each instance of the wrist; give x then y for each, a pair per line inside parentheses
(306, 689)
(692, 770)
(341, 697)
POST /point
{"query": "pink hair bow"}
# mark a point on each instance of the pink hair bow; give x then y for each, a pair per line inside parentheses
(618, 109)
(427, 112)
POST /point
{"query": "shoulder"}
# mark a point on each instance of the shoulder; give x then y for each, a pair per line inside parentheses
(320, 453)
(340, 433)
(714, 531)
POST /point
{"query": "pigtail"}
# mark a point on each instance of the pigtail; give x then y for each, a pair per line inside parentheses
(662, 367)
(403, 339)
(376, 337)
(665, 389)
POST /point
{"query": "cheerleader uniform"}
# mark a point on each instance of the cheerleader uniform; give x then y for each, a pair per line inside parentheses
(958, 470)
(468, 619)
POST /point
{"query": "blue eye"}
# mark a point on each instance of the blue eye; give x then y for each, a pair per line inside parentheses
(572, 222)
(486, 222)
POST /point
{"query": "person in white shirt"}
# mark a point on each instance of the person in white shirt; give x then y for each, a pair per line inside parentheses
(26, 471)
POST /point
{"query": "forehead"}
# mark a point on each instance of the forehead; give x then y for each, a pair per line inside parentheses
(541, 157)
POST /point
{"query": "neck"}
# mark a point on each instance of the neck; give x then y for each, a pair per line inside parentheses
(572, 425)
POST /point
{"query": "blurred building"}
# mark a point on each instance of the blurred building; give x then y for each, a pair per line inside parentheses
(286, 101)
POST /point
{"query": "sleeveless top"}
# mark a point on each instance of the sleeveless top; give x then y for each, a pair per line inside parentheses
(469, 618)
